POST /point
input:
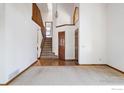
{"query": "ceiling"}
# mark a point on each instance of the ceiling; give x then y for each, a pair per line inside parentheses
(43, 7)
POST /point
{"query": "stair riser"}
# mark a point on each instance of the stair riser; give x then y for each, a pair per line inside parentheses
(48, 43)
(47, 55)
(47, 46)
(48, 40)
(47, 49)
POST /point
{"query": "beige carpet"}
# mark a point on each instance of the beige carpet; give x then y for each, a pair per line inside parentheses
(70, 75)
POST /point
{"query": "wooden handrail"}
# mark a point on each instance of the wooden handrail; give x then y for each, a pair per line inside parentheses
(64, 25)
(37, 18)
(42, 45)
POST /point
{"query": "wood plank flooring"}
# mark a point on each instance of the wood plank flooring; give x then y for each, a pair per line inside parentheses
(55, 62)
(58, 72)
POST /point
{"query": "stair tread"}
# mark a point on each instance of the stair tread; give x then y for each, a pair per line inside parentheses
(47, 49)
(48, 57)
(47, 46)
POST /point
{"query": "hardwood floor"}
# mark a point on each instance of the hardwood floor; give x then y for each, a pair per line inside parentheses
(54, 62)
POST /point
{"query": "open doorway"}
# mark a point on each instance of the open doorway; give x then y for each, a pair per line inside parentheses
(60, 22)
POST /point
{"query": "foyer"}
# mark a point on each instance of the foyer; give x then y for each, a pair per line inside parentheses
(61, 44)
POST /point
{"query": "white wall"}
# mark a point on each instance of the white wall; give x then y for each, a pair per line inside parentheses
(20, 39)
(39, 37)
(54, 29)
(92, 34)
(2, 46)
(116, 36)
(65, 13)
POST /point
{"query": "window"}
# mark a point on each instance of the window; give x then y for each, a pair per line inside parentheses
(48, 26)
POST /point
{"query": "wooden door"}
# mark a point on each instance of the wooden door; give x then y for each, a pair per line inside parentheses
(76, 45)
(61, 43)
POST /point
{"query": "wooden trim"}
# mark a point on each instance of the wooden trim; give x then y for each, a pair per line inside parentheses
(18, 74)
(38, 58)
(37, 18)
(115, 69)
(76, 61)
(102, 65)
(91, 64)
(69, 59)
(42, 45)
(61, 45)
(64, 25)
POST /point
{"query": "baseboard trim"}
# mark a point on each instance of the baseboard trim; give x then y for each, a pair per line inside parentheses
(70, 60)
(76, 61)
(102, 65)
(115, 68)
(38, 58)
(18, 74)
(92, 64)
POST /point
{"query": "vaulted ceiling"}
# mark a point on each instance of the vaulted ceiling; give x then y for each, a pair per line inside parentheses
(43, 7)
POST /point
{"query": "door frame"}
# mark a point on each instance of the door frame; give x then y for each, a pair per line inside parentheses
(59, 45)
(77, 60)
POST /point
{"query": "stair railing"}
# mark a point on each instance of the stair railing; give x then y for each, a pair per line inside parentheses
(43, 40)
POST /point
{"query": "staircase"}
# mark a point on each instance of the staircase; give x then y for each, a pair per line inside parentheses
(47, 50)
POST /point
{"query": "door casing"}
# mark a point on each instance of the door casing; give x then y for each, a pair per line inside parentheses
(61, 45)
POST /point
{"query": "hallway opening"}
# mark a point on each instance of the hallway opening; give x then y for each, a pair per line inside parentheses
(55, 19)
